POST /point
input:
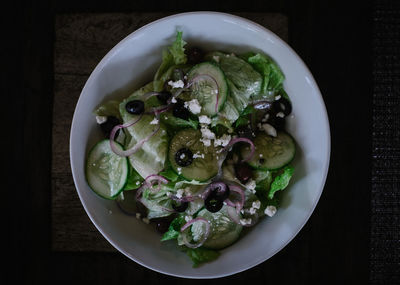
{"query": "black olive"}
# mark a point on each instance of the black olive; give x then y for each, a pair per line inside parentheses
(180, 206)
(282, 105)
(245, 131)
(243, 172)
(180, 111)
(135, 107)
(108, 125)
(261, 160)
(194, 55)
(213, 203)
(277, 122)
(164, 96)
(220, 190)
(184, 157)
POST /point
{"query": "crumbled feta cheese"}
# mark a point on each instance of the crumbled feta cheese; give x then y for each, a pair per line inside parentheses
(138, 215)
(182, 156)
(251, 185)
(245, 221)
(193, 106)
(101, 119)
(270, 211)
(270, 130)
(278, 97)
(198, 154)
(256, 204)
(260, 155)
(173, 100)
(222, 141)
(137, 182)
(265, 119)
(216, 58)
(188, 218)
(203, 119)
(146, 220)
(280, 115)
(206, 142)
(252, 211)
(176, 84)
(154, 122)
(179, 193)
(207, 134)
(179, 170)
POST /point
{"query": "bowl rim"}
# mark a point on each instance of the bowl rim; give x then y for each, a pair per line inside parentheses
(115, 49)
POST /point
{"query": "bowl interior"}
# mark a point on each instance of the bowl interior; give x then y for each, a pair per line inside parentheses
(131, 64)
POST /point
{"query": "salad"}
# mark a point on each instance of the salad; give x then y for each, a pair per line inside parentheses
(200, 152)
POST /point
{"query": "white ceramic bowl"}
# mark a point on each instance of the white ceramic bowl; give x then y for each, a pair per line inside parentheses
(132, 63)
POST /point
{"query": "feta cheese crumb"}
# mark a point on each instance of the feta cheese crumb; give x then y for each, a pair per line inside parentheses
(182, 156)
(280, 115)
(270, 211)
(277, 97)
(173, 100)
(179, 193)
(203, 119)
(101, 119)
(265, 119)
(270, 130)
(256, 204)
(179, 170)
(251, 186)
(245, 221)
(198, 154)
(176, 84)
(146, 220)
(138, 215)
(188, 218)
(154, 122)
(207, 136)
(193, 106)
(137, 182)
(216, 58)
(206, 142)
(222, 141)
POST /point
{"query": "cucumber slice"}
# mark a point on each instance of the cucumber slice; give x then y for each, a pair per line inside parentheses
(106, 172)
(223, 230)
(201, 168)
(271, 153)
(204, 89)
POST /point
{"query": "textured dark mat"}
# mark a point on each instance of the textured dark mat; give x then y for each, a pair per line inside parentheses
(81, 42)
(385, 210)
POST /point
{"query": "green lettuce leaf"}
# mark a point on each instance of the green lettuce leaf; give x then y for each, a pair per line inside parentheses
(243, 81)
(272, 75)
(201, 255)
(151, 157)
(108, 108)
(281, 181)
(174, 228)
(171, 57)
(134, 179)
(176, 123)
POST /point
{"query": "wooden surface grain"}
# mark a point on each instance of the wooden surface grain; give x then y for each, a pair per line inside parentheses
(80, 43)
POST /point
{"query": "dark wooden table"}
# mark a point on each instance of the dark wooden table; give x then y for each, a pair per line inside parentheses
(334, 40)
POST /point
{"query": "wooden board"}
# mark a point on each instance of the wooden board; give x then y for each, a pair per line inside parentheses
(81, 41)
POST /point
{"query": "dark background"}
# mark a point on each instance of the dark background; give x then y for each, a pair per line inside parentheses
(339, 244)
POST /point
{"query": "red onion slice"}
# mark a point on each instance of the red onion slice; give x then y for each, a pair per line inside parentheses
(200, 77)
(239, 205)
(203, 239)
(236, 140)
(154, 177)
(136, 147)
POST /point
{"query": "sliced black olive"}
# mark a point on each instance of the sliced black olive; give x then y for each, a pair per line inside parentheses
(108, 125)
(220, 190)
(135, 107)
(180, 206)
(164, 96)
(180, 111)
(213, 203)
(243, 172)
(162, 224)
(184, 157)
(194, 55)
